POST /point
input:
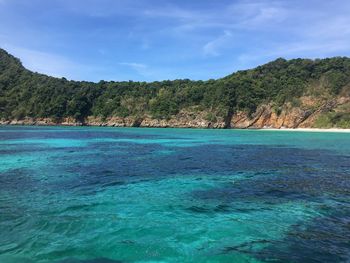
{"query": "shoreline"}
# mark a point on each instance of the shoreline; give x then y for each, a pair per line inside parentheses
(308, 129)
(330, 130)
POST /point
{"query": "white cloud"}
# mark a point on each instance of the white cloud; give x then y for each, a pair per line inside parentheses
(250, 14)
(140, 68)
(49, 63)
(242, 15)
(311, 49)
(133, 65)
(248, 32)
(298, 49)
(329, 28)
(212, 48)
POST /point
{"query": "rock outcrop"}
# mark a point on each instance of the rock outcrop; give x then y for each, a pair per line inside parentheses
(42, 122)
(303, 116)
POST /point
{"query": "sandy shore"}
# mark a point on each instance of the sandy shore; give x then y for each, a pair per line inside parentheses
(309, 130)
(44, 123)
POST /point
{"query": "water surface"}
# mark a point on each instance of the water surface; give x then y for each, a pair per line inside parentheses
(173, 195)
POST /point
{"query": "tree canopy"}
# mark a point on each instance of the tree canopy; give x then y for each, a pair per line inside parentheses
(25, 93)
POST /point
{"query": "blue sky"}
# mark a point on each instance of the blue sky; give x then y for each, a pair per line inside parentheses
(155, 40)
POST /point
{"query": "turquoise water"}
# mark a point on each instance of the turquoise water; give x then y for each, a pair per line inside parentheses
(173, 195)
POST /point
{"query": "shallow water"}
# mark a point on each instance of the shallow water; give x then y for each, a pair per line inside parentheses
(173, 195)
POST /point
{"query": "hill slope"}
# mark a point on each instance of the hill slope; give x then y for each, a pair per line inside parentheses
(294, 93)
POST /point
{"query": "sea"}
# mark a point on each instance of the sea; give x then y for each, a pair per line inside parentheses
(107, 195)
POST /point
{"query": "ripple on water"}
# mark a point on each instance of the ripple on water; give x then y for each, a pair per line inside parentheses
(143, 195)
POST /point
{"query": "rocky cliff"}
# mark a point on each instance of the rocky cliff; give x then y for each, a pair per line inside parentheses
(266, 116)
(280, 94)
(288, 116)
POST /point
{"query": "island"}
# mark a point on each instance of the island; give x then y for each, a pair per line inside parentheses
(297, 93)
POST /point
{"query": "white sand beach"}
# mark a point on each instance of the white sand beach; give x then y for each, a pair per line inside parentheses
(309, 130)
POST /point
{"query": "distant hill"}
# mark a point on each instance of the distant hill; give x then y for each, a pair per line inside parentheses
(282, 93)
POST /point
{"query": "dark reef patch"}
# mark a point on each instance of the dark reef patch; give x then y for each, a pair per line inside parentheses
(325, 239)
(272, 202)
(96, 260)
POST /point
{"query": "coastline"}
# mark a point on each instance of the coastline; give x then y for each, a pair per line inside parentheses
(264, 118)
(330, 130)
(308, 129)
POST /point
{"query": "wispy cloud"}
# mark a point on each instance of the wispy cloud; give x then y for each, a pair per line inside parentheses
(140, 68)
(252, 14)
(239, 15)
(212, 48)
(328, 28)
(316, 33)
(175, 38)
(133, 65)
(49, 63)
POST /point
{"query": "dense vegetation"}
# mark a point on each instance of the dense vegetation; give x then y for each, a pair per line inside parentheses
(339, 118)
(25, 93)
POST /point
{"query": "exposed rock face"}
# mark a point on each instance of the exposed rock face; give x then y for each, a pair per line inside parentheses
(111, 121)
(183, 119)
(265, 116)
(303, 116)
(42, 122)
(289, 117)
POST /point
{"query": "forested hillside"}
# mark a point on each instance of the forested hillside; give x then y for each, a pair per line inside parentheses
(314, 93)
